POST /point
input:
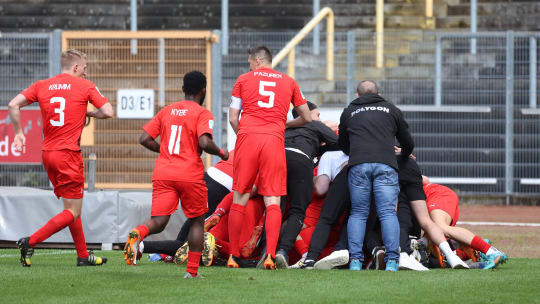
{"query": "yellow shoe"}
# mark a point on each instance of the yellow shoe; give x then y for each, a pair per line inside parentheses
(181, 255)
(209, 249)
(131, 247)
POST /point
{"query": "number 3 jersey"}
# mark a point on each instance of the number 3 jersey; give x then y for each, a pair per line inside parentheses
(179, 127)
(264, 95)
(63, 100)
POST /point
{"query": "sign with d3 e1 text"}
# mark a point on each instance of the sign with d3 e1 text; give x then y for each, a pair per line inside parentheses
(135, 103)
(32, 125)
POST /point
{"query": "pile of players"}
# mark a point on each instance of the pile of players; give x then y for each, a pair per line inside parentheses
(269, 203)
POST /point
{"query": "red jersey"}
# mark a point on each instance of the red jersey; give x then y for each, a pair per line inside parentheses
(265, 96)
(438, 192)
(63, 100)
(179, 126)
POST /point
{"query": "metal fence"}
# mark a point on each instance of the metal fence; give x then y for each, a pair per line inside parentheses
(472, 111)
(24, 58)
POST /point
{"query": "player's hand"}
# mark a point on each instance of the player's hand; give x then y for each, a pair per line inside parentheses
(397, 150)
(20, 142)
(211, 222)
(412, 156)
(225, 155)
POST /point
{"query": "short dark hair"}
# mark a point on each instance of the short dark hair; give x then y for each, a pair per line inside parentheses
(260, 51)
(367, 87)
(310, 105)
(194, 82)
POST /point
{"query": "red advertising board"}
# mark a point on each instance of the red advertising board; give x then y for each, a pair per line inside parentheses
(32, 125)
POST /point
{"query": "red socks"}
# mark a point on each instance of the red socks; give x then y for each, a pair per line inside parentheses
(143, 231)
(194, 258)
(77, 234)
(478, 244)
(223, 247)
(55, 224)
(301, 247)
(272, 228)
(236, 217)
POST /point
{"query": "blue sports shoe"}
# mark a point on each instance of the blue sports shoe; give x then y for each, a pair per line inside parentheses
(154, 257)
(494, 259)
(355, 265)
(392, 265)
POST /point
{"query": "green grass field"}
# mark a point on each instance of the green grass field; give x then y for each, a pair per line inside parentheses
(53, 278)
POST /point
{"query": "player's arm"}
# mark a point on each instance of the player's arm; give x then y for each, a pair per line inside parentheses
(14, 109)
(304, 117)
(234, 118)
(321, 184)
(106, 111)
(209, 146)
(149, 142)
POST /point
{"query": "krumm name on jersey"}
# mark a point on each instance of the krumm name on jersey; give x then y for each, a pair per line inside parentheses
(60, 86)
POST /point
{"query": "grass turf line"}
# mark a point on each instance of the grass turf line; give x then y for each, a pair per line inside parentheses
(55, 279)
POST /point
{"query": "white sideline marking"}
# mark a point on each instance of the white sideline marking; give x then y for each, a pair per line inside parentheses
(36, 252)
(499, 224)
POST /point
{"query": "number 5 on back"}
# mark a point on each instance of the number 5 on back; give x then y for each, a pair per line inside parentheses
(263, 92)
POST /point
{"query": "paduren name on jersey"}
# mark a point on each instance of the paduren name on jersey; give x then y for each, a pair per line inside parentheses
(266, 74)
(59, 86)
(364, 109)
(179, 112)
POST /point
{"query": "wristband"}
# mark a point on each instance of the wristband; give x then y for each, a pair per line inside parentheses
(221, 153)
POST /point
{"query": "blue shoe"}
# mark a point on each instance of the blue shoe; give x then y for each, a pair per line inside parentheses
(154, 257)
(494, 259)
(355, 265)
(392, 265)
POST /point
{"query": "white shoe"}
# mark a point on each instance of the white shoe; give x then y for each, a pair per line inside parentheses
(297, 265)
(409, 263)
(335, 259)
(455, 262)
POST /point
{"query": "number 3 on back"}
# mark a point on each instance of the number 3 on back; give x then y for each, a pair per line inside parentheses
(59, 110)
(263, 92)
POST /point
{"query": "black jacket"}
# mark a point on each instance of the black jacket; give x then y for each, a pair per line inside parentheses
(308, 138)
(368, 128)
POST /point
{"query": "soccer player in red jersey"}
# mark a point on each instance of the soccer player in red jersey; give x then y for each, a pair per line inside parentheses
(185, 127)
(63, 100)
(443, 206)
(263, 96)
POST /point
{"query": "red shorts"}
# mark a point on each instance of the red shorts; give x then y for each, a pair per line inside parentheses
(262, 156)
(66, 172)
(193, 197)
(448, 203)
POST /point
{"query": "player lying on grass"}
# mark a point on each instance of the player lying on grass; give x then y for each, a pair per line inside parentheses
(63, 100)
(443, 205)
(184, 128)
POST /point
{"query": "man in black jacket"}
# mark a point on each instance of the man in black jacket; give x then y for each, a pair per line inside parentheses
(367, 131)
(302, 145)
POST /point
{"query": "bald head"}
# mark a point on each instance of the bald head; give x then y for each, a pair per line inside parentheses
(367, 87)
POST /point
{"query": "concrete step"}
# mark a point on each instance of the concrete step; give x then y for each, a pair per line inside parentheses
(82, 9)
(46, 23)
(462, 169)
(470, 155)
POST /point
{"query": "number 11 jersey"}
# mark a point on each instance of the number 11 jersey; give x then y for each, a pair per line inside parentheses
(264, 96)
(179, 127)
(63, 100)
